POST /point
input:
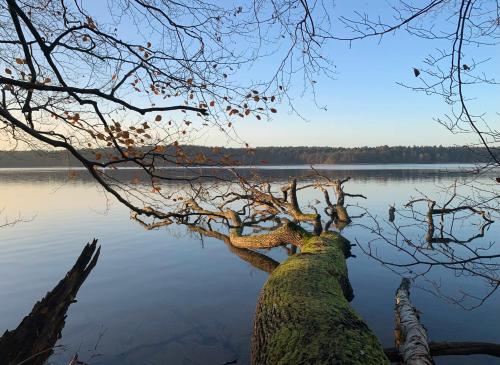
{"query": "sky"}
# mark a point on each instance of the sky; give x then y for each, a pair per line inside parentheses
(363, 105)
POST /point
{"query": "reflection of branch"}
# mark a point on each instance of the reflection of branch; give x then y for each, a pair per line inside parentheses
(38, 332)
(416, 258)
(286, 233)
(12, 222)
(448, 240)
(150, 226)
(444, 210)
(256, 259)
(432, 210)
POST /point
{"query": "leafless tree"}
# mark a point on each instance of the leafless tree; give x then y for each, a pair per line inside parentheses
(453, 72)
(225, 209)
(457, 73)
(463, 66)
(128, 84)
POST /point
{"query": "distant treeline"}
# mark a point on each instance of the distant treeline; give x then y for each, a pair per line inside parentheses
(278, 155)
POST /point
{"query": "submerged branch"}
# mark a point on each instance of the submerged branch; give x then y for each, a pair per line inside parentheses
(445, 348)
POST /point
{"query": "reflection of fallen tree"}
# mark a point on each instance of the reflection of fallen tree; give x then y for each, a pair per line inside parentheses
(32, 342)
(254, 258)
(412, 347)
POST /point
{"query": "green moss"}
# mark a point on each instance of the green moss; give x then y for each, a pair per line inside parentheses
(303, 315)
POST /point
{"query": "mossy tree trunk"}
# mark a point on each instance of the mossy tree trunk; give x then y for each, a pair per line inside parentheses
(303, 314)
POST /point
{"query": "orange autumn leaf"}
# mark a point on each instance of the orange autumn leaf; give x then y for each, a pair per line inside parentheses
(159, 149)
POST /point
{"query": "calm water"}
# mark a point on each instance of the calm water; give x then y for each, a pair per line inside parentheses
(169, 297)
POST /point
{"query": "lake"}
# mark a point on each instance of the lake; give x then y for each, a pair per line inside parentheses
(169, 296)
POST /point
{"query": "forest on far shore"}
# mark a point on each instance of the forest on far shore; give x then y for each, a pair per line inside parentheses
(275, 155)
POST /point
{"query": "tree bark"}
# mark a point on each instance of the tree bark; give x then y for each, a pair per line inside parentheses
(303, 315)
(32, 342)
(287, 233)
(411, 336)
(451, 349)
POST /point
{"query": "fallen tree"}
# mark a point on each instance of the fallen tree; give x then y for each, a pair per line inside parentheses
(303, 314)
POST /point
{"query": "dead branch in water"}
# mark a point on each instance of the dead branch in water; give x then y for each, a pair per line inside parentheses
(32, 342)
(412, 347)
(445, 348)
(411, 336)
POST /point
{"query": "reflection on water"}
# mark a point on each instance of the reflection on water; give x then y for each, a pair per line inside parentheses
(173, 296)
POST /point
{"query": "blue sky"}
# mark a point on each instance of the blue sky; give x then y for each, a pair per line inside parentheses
(364, 104)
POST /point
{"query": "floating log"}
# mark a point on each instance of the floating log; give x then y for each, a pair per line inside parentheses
(303, 314)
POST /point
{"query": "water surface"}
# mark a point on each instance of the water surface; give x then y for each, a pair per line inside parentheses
(171, 296)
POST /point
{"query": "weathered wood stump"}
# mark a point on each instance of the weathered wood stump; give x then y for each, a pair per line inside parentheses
(32, 342)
